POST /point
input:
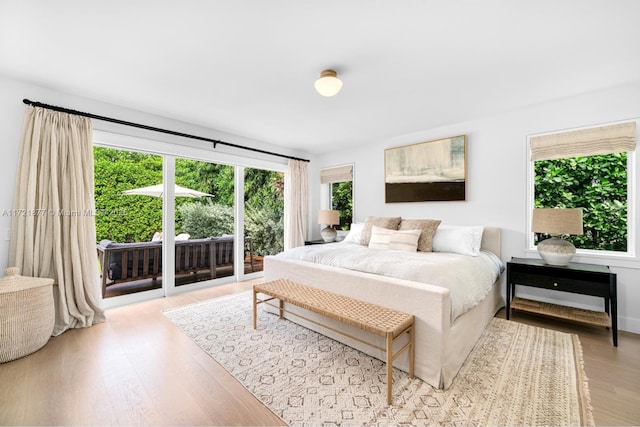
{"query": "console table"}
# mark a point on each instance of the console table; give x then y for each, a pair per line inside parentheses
(585, 279)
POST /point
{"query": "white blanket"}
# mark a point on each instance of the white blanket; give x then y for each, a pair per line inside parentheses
(468, 278)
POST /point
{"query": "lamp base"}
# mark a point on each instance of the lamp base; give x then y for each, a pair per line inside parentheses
(556, 251)
(328, 234)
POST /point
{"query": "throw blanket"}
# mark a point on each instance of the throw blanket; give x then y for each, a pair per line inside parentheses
(468, 278)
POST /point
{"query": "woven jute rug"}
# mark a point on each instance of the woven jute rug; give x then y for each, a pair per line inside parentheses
(516, 375)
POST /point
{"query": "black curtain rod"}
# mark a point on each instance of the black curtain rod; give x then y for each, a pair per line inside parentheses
(155, 129)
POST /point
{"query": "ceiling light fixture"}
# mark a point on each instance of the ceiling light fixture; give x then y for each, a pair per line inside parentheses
(328, 84)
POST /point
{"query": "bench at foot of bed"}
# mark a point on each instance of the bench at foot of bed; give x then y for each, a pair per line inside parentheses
(375, 319)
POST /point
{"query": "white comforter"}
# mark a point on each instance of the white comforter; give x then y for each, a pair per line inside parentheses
(468, 278)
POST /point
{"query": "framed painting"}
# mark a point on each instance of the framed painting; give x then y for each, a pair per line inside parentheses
(426, 171)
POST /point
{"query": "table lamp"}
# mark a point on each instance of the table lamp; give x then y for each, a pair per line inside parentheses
(328, 218)
(556, 221)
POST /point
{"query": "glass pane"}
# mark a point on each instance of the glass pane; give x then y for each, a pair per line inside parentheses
(128, 225)
(342, 201)
(263, 216)
(204, 221)
(598, 185)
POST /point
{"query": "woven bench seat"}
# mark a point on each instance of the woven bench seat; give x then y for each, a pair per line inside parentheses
(378, 320)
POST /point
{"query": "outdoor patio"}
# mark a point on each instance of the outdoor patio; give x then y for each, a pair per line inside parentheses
(131, 287)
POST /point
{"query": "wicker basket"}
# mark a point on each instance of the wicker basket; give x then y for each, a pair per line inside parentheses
(27, 314)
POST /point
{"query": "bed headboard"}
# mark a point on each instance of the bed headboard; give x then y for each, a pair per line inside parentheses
(491, 240)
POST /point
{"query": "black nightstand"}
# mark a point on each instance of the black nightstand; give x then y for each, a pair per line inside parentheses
(315, 242)
(585, 279)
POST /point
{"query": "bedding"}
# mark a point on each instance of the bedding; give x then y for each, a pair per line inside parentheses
(471, 282)
(463, 240)
(391, 223)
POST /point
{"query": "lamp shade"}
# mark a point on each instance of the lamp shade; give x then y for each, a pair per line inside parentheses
(557, 221)
(329, 217)
(328, 84)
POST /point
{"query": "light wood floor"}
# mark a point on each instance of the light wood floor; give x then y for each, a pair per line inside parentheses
(139, 369)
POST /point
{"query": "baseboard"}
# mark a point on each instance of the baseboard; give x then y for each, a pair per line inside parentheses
(629, 324)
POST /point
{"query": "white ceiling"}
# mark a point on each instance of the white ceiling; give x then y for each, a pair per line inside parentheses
(248, 66)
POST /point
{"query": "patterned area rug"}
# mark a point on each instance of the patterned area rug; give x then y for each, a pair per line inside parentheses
(516, 374)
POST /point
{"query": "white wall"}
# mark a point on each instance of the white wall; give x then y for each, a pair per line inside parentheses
(497, 182)
(12, 109)
(497, 168)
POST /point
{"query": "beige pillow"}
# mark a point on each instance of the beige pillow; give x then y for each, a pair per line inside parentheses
(390, 223)
(399, 240)
(427, 227)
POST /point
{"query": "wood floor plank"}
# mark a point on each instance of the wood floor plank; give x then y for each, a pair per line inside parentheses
(138, 368)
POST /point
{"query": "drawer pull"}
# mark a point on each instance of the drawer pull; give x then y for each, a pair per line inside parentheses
(555, 284)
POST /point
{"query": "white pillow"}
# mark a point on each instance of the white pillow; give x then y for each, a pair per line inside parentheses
(355, 231)
(460, 239)
(182, 236)
(399, 240)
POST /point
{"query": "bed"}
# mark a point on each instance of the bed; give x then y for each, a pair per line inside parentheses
(445, 335)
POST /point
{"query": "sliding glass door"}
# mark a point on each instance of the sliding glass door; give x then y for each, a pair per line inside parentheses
(204, 221)
(171, 219)
(263, 215)
(128, 220)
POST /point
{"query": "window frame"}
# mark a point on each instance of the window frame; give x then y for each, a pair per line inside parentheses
(326, 196)
(628, 258)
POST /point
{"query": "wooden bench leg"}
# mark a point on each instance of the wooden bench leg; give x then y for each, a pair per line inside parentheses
(412, 349)
(389, 366)
(255, 309)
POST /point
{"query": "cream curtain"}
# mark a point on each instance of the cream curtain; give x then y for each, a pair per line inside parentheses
(296, 201)
(584, 142)
(54, 234)
(336, 174)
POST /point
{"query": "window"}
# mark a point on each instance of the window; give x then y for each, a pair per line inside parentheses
(340, 185)
(589, 169)
(263, 215)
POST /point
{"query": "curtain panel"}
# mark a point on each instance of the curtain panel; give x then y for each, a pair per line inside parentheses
(296, 201)
(336, 174)
(55, 238)
(584, 142)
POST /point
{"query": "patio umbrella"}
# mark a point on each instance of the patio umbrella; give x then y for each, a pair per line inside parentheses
(158, 191)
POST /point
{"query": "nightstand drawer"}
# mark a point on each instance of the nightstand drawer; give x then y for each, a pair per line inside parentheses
(560, 284)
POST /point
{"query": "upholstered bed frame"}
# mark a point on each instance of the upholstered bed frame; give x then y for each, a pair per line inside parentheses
(441, 347)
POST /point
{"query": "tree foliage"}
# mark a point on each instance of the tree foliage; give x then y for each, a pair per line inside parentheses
(598, 185)
(342, 200)
(264, 210)
(119, 217)
(264, 224)
(206, 220)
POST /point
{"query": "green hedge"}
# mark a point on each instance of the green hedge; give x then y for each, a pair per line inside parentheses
(598, 184)
(209, 220)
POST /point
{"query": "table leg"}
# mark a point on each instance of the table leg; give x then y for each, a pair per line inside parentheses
(508, 291)
(614, 308)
